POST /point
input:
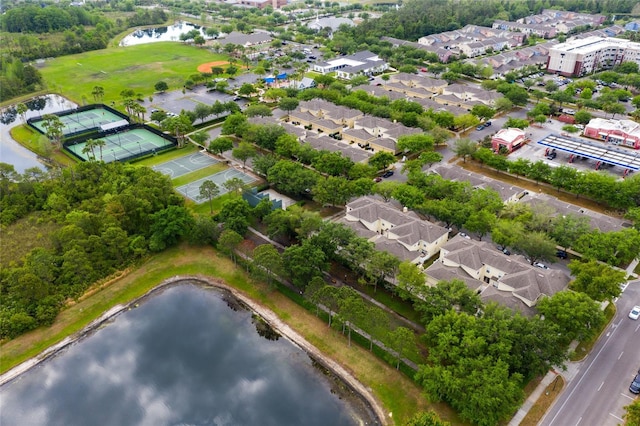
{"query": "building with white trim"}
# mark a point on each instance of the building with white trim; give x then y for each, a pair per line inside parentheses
(510, 139)
(584, 56)
(617, 132)
(347, 67)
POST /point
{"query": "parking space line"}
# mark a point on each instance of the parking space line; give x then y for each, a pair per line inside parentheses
(627, 396)
(613, 415)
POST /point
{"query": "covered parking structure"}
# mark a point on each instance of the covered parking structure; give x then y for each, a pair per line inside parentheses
(602, 154)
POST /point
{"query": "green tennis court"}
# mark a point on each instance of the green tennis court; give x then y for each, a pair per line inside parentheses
(80, 121)
(122, 146)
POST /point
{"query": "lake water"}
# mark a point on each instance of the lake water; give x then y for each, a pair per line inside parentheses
(187, 355)
(168, 33)
(12, 152)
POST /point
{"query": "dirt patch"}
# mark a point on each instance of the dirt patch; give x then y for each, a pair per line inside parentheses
(206, 68)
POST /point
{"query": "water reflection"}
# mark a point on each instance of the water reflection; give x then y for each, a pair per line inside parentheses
(12, 152)
(168, 33)
(182, 357)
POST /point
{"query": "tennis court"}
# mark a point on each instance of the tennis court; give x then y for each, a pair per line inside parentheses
(82, 121)
(192, 189)
(122, 146)
(183, 165)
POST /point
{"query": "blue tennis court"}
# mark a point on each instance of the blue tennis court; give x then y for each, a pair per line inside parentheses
(192, 189)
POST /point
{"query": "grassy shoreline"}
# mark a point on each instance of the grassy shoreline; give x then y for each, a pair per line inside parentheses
(397, 394)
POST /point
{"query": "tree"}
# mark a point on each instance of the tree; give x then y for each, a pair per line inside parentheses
(465, 148)
(209, 190)
(243, 152)
(466, 121)
(430, 418)
(235, 214)
(411, 280)
(381, 160)
(234, 186)
(566, 229)
(53, 128)
(161, 86)
(582, 117)
(22, 109)
(267, 260)
(598, 281)
(303, 262)
(483, 111)
(246, 89)
(576, 314)
(258, 110)
(288, 105)
(536, 246)
(200, 137)
(287, 145)
(168, 226)
(518, 123)
(481, 222)
(380, 265)
(179, 125)
(229, 241)
(402, 342)
(506, 232)
(220, 145)
(335, 191)
(97, 92)
(632, 416)
(415, 143)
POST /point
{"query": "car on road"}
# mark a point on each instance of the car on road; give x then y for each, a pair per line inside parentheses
(480, 127)
(487, 124)
(635, 384)
(387, 174)
(635, 313)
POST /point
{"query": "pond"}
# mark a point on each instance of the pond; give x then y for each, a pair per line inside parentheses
(12, 152)
(167, 33)
(185, 355)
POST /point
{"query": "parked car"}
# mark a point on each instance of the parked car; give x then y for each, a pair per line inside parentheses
(377, 179)
(480, 127)
(487, 124)
(562, 254)
(541, 265)
(635, 313)
(387, 174)
(635, 384)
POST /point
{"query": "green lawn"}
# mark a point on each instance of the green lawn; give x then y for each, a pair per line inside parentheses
(118, 68)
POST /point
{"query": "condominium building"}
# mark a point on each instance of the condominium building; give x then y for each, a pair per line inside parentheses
(583, 56)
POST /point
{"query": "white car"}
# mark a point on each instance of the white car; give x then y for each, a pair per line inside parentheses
(540, 265)
(635, 313)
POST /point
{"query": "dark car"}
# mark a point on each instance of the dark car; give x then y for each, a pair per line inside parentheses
(480, 127)
(635, 385)
(561, 254)
(487, 124)
(387, 174)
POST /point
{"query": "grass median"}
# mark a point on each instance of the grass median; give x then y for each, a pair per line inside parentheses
(397, 394)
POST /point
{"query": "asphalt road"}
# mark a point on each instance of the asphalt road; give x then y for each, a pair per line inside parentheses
(598, 393)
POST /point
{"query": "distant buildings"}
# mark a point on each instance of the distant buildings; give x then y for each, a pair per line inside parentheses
(618, 132)
(473, 40)
(349, 66)
(584, 56)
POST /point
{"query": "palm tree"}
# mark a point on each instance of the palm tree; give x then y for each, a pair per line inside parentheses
(97, 92)
(100, 143)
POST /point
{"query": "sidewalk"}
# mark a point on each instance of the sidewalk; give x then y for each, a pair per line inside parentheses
(568, 375)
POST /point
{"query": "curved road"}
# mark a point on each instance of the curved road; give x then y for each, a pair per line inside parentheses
(598, 393)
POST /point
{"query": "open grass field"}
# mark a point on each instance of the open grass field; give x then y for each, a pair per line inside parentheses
(397, 393)
(117, 68)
